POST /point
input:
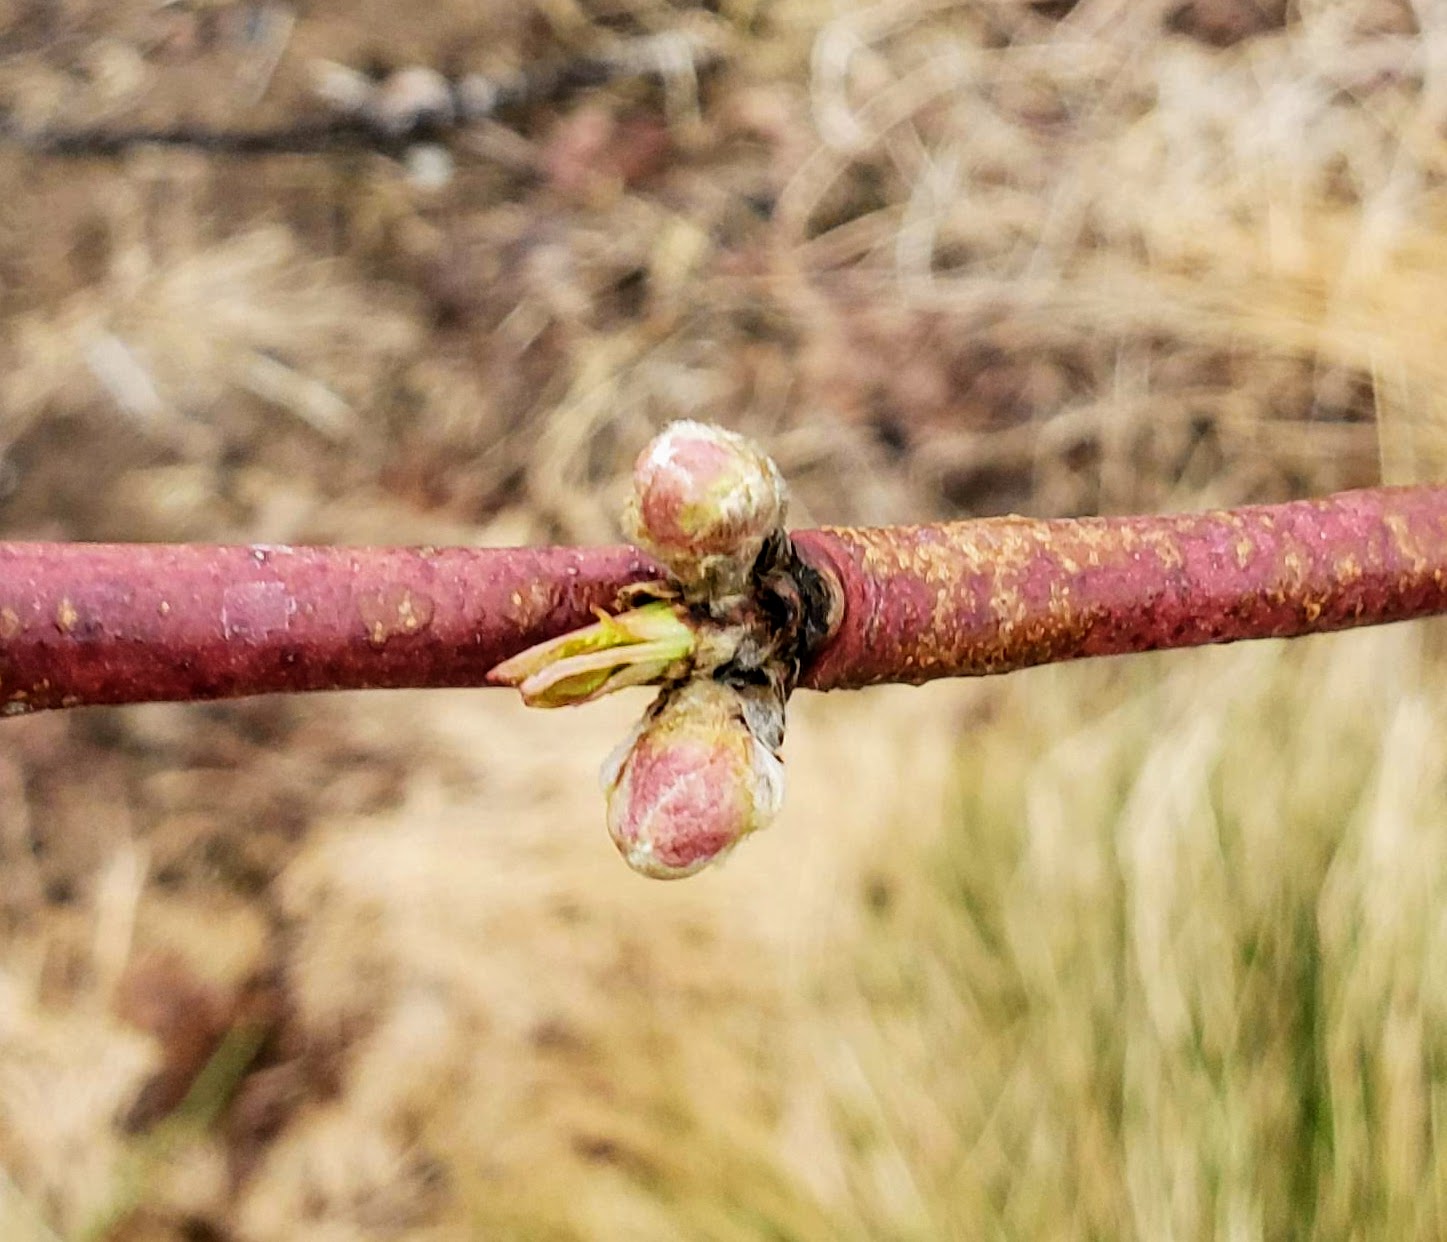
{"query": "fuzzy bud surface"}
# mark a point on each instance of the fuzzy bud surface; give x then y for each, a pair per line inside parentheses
(691, 782)
(704, 502)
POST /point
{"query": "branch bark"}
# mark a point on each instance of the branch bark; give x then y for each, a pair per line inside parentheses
(989, 596)
(130, 623)
(107, 623)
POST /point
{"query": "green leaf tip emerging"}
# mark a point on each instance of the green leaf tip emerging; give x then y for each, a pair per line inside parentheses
(633, 648)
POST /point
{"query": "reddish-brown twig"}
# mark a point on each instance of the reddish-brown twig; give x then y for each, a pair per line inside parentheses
(89, 623)
(968, 598)
(131, 623)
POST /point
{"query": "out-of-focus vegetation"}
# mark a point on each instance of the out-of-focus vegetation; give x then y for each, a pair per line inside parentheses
(1140, 949)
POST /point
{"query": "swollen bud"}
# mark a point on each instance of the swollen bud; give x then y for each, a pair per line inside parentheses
(704, 502)
(701, 771)
(693, 780)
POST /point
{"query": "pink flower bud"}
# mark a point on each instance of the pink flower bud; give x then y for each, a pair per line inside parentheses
(704, 502)
(691, 782)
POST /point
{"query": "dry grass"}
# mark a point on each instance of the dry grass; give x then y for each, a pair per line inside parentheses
(1141, 949)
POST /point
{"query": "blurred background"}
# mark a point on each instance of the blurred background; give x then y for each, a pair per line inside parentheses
(1142, 949)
